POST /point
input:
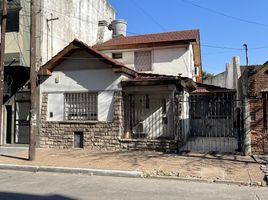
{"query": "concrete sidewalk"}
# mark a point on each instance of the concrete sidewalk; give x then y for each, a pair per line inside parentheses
(198, 166)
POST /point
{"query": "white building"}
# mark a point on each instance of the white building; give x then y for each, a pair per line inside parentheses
(171, 53)
(58, 23)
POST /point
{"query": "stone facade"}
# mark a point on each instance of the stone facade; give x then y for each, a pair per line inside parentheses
(148, 145)
(257, 82)
(102, 136)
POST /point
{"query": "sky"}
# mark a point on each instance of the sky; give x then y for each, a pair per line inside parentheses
(225, 25)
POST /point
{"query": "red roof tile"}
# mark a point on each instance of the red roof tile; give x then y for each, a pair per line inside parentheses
(187, 35)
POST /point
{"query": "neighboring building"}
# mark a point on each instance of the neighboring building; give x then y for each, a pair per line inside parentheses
(253, 87)
(172, 53)
(84, 19)
(72, 19)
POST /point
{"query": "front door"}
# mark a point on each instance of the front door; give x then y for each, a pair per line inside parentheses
(22, 117)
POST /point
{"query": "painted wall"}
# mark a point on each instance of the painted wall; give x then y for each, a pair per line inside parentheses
(77, 19)
(168, 60)
(228, 78)
(85, 75)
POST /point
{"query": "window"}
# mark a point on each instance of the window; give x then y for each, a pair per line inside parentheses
(143, 61)
(13, 16)
(117, 55)
(81, 106)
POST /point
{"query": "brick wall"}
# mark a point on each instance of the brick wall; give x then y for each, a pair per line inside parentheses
(259, 137)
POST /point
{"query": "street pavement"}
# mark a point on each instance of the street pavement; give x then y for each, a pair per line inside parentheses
(45, 186)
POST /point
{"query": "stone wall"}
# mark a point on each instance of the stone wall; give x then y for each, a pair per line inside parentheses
(97, 135)
(103, 136)
(149, 145)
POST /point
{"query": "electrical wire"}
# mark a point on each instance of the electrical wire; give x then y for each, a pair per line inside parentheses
(224, 15)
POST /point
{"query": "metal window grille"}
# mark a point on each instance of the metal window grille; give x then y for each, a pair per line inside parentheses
(143, 61)
(81, 106)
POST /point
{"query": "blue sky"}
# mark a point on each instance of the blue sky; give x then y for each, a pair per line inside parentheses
(226, 24)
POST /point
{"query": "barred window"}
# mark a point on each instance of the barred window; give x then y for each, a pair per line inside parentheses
(143, 61)
(81, 106)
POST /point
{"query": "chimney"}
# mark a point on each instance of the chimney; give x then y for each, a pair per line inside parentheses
(119, 27)
(104, 33)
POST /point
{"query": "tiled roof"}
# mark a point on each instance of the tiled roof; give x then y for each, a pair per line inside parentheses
(187, 35)
(205, 88)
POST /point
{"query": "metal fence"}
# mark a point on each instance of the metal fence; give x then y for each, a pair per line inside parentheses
(215, 123)
(149, 116)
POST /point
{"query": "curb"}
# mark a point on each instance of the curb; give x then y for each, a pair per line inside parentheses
(91, 172)
(189, 179)
(117, 173)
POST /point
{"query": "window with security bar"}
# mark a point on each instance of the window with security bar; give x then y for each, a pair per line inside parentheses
(143, 61)
(81, 106)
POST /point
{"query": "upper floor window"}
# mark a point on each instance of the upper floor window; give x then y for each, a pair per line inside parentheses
(81, 106)
(13, 15)
(143, 61)
(117, 55)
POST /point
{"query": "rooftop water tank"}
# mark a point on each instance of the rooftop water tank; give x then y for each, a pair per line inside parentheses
(119, 27)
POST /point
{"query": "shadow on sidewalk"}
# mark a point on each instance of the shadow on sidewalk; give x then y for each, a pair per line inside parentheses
(19, 196)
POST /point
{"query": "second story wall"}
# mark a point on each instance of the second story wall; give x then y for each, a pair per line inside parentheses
(172, 60)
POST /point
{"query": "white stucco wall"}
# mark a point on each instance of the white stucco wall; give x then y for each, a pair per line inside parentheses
(77, 19)
(86, 75)
(168, 60)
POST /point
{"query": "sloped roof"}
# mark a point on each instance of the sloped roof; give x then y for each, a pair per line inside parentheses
(205, 88)
(158, 38)
(47, 68)
(158, 79)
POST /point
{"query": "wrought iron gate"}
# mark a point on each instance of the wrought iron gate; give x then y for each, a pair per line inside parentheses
(215, 124)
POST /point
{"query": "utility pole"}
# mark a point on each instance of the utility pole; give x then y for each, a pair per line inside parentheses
(32, 142)
(2, 61)
(246, 49)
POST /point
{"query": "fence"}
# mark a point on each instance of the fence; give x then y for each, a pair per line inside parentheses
(216, 123)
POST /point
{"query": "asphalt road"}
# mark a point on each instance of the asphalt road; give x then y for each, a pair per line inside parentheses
(44, 186)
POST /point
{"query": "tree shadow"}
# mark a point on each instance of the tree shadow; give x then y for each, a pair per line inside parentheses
(20, 196)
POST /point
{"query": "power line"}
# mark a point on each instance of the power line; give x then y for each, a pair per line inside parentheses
(221, 47)
(225, 15)
(148, 15)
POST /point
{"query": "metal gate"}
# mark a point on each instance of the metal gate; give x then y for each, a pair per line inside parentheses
(215, 124)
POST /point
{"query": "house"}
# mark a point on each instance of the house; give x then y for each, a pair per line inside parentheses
(250, 82)
(172, 53)
(90, 100)
(77, 19)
